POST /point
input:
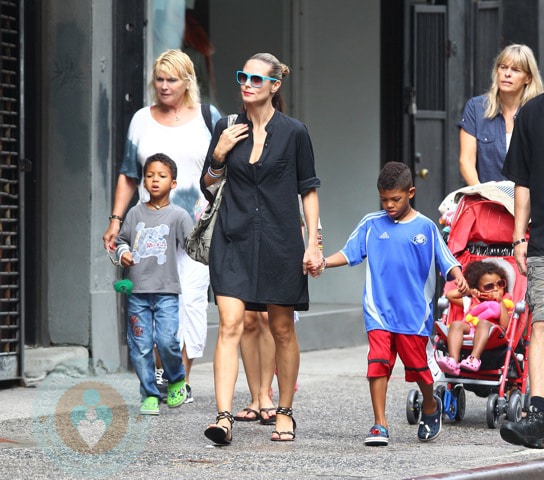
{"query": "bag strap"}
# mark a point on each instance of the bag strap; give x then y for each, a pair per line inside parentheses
(231, 119)
(207, 115)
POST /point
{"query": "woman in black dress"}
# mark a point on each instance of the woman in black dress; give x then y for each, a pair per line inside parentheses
(258, 259)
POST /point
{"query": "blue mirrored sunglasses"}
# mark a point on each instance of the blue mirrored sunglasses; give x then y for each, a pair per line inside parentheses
(255, 81)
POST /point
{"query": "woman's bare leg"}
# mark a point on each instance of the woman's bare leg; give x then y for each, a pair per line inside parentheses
(282, 326)
(267, 363)
(225, 361)
(249, 349)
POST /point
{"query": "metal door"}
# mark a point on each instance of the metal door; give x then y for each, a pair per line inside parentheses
(485, 36)
(11, 195)
(427, 105)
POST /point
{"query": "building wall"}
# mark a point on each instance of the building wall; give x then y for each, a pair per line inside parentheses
(66, 101)
(339, 100)
(76, 100)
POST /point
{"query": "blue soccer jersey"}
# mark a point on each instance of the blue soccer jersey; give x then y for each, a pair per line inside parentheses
(401, 271)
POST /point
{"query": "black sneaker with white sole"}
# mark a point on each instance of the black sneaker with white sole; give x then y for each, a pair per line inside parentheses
(162, 383)
(189, 397)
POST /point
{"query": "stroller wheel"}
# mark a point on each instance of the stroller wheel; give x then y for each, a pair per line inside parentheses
(513, 410)
(459, 394)
(413, 407)
(492, 411)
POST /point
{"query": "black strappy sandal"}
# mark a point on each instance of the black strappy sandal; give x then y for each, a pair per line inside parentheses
(291, 433)
(218, 433)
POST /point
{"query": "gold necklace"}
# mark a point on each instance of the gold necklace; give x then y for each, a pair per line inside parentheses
(158, 207)
(176, 115)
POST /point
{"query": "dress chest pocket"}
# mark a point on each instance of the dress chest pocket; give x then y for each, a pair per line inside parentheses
(280, 166)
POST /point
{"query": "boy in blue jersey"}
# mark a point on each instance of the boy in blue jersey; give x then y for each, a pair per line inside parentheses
(403, 248)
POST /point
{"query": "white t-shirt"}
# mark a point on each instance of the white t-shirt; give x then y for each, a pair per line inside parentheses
(186, 144)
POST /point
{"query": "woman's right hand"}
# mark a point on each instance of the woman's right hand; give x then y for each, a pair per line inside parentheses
(228, 139)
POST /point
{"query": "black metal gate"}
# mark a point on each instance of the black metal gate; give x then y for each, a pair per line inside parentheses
(428, 105)
(11, 221)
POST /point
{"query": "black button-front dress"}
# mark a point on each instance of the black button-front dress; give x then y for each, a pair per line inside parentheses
(257, 247)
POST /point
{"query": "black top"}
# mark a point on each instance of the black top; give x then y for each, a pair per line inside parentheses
(257, 247)
(524, 165)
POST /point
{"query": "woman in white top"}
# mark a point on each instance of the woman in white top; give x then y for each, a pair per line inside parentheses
(176, 126)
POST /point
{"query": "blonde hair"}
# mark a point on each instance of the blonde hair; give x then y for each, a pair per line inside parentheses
(521, 56)
(179, 65)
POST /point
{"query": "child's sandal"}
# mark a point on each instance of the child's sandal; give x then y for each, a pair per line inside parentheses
(220, 434)
(471, 363)
(291, 433)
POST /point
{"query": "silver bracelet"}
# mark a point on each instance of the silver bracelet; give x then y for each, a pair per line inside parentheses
(215, 175)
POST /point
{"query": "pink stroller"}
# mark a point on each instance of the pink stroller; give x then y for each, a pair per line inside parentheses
(481, 229)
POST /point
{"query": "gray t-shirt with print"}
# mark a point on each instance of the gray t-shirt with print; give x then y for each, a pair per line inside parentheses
(153, 237)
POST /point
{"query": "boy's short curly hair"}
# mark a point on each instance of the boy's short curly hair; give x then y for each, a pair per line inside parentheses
(165, 160)
(395, 175)
(474, 271)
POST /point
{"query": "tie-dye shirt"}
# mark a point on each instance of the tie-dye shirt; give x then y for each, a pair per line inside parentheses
(186, 144)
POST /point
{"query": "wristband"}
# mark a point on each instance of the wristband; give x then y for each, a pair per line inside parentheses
(216, 175)
(216, 165)
(517, 242)
(116, 217)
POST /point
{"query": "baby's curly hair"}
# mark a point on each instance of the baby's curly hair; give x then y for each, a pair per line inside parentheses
(474, 271)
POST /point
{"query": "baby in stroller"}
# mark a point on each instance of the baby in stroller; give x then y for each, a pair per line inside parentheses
(489, 304)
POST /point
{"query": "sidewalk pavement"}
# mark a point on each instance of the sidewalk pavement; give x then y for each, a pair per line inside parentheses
(89, 427)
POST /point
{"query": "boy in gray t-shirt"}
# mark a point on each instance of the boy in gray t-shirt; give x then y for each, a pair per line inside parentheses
(147, 243)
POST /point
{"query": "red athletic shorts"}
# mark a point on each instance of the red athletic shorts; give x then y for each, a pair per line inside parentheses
(383, 347)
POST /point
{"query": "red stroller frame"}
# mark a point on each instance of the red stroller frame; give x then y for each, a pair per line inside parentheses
(482, 230)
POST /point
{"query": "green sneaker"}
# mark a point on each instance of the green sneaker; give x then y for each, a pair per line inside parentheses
(176, 393)
(150, 406)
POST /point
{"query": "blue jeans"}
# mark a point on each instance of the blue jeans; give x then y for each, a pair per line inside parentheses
(153, 319)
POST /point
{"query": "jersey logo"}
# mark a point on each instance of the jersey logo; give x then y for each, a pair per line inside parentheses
(420, 239)
(384, 235)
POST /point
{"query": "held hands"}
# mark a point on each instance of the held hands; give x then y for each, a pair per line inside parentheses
(313, 262)
(462, 285)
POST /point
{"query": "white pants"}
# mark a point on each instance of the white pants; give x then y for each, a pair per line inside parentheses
(193, 305)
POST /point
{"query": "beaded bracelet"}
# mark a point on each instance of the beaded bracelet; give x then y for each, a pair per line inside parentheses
(116, 217)
(215, 175)
(323, 266)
